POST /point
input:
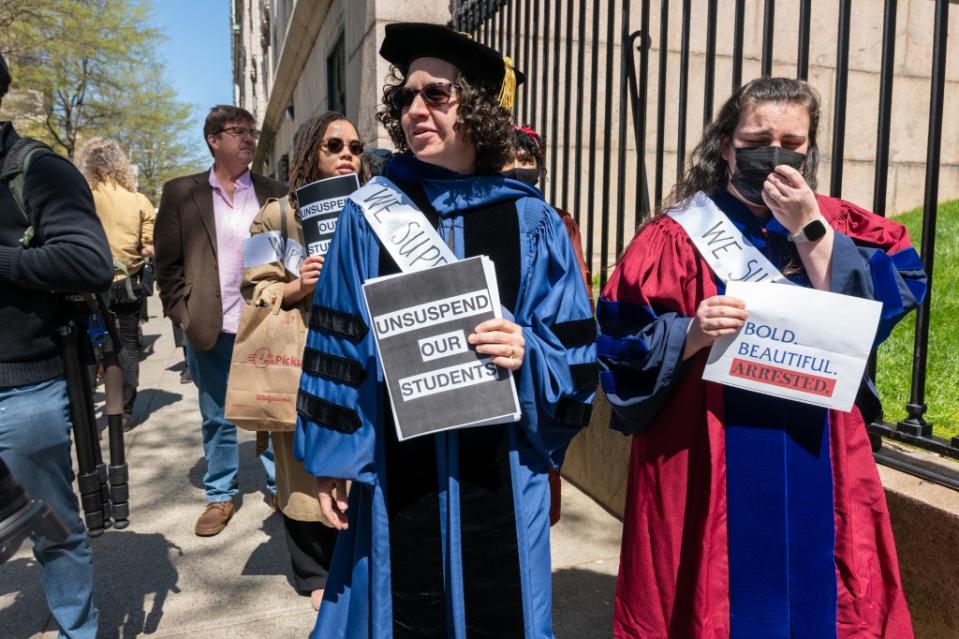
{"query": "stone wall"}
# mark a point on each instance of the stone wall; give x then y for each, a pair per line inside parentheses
(307, 31)
(305, 34)
(909, 116)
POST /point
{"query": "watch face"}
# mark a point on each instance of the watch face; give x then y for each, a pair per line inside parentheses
(814, 230)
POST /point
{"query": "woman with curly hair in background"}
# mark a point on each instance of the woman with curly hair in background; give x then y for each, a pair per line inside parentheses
(127, 218)
(447, 535)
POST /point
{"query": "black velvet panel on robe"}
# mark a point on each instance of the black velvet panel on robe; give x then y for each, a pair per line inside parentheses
(491, 576)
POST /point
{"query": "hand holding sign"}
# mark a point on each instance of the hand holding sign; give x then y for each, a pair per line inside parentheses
(310, 271)
(717, 316)
(444, 348)
(503, 339)
(798, 343)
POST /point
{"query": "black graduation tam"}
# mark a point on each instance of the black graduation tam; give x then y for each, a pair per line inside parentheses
(480, 64)
(5, 78)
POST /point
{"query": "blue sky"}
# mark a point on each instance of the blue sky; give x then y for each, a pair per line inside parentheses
(196, 52)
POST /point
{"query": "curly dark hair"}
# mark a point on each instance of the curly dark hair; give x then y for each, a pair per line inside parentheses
(304, 163)
(708, 170)
(529, 145)
(480, 118)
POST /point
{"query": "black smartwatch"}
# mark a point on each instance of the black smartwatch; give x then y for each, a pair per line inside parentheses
(810, 233)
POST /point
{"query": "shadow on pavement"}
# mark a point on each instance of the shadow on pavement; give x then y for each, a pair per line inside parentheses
(583, 603)
(148, 346)
(24, 617)
(270, 557)
(150, 400)
(131, 600)
(176, 368)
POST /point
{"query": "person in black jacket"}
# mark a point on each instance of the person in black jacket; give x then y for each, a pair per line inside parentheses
(68, 253)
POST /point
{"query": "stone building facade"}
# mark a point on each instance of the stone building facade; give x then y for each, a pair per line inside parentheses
(293, 59)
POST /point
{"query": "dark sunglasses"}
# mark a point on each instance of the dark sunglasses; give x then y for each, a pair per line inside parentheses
(240, 131)
(435, 94)
(335, 145)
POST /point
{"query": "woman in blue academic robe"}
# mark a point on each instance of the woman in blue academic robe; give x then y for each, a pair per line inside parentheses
(446, 535)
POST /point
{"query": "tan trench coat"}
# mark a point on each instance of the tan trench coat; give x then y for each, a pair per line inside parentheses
(261, 285)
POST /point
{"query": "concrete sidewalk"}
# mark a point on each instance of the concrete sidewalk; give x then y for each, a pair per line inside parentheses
(157, 578)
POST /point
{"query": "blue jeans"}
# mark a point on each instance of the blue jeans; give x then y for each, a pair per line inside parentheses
(35, 444)
(211, 370)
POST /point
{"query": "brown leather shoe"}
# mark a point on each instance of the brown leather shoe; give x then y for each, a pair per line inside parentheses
(214, 518)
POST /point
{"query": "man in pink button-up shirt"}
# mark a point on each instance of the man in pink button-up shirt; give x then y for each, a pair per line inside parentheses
(200, 229)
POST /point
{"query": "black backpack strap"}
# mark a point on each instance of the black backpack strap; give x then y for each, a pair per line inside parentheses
(14, 173)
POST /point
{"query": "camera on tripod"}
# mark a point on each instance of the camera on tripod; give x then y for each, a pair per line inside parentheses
(87, 328)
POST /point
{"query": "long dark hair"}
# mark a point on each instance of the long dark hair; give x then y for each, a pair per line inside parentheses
(304, 165)
(480, 119)
(708, 170)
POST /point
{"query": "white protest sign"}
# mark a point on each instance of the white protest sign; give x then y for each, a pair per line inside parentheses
(799, 343)
(420, 322)
(402, 228)
(264, 248)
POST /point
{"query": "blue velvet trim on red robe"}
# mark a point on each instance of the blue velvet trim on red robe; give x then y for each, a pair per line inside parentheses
(632, 345)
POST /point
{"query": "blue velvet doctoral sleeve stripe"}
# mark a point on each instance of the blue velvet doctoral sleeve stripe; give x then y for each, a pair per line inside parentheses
(898, 281)
(327, 414)
(554, 396)
(339, 408)
(642, 360)
(576, 332)
(910, 268)
(624, 350)
(619, 318)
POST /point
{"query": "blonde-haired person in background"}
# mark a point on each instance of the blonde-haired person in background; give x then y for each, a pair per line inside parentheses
(127, 218)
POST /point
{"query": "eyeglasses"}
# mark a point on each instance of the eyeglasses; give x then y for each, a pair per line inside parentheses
(335, 145)
(240, 131)
(434, 95)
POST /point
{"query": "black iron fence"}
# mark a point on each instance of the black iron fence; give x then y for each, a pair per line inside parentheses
(586, 59)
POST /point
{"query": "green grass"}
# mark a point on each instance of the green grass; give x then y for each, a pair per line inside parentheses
(895, 355)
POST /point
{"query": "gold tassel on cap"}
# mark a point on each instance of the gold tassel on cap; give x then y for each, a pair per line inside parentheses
(507, 93)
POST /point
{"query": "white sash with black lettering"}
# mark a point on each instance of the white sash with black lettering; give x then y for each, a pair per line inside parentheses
(401, 227)
(727, 251)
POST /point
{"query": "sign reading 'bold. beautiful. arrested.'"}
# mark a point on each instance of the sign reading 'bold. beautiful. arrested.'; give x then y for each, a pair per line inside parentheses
(421, 321)
(798, 343)
(320, 205)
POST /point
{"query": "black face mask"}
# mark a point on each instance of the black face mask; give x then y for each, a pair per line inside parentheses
(530, 176)
(754, 165)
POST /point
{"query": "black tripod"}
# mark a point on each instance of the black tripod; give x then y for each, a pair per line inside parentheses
(104, 493)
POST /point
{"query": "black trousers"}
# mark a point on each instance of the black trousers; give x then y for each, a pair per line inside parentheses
(311, 549)
(128, 324)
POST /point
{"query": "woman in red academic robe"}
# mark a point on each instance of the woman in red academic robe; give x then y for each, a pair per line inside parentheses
(749, 515)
